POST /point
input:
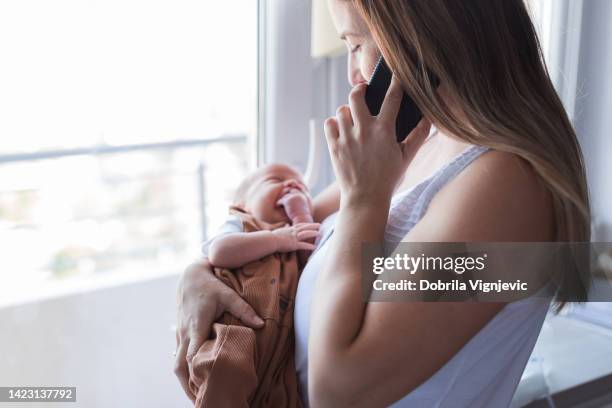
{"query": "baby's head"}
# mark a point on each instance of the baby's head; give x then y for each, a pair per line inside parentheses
(260, 191)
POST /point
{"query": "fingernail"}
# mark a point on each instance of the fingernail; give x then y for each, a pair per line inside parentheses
(259, 320)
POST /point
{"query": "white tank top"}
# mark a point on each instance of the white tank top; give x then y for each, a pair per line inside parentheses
(487, 370)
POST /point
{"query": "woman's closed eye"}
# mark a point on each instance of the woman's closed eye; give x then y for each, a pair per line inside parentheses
(355, 48)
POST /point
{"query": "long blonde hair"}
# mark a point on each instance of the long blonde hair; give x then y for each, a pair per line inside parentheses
(487, 55)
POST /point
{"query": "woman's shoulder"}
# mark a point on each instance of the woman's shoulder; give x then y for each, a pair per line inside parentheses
(498, 197)
(506, 175)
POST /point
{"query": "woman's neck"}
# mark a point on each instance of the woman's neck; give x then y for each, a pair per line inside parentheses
(437, 150)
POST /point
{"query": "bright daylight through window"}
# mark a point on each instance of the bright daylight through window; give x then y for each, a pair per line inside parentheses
(124, 126)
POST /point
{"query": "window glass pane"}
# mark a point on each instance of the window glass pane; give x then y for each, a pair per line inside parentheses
(130, 213)
(157, 80)
(77, 73)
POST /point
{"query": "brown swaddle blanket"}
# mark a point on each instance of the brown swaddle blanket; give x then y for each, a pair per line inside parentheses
(242, 367)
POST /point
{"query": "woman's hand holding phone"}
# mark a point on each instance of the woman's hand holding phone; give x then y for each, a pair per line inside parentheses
(367, 159)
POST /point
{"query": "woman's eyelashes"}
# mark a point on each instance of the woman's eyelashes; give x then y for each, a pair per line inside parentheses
(355, 48)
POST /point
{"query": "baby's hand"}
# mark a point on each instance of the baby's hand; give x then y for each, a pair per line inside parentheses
(297, 205)
(295, 237)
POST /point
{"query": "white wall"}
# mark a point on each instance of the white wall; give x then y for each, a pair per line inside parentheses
(114, 344)
(289, 75)
(594, 108)
(297, 87)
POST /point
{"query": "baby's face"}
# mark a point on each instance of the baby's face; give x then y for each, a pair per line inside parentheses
(269, 185)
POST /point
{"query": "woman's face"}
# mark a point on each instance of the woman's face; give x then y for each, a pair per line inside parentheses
(363, 52)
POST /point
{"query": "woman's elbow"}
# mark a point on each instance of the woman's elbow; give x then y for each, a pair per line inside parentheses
(325, 395)
(331, 391)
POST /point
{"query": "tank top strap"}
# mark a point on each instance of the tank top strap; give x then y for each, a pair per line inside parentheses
(409, 207)
(445, 175)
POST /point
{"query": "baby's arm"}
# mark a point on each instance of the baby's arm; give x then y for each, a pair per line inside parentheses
(237, 249)
(327, 202)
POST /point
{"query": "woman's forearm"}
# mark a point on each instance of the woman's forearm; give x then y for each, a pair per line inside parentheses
(368, 163)
(338, 312)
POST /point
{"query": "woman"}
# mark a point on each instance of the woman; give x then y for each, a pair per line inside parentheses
(501, 164)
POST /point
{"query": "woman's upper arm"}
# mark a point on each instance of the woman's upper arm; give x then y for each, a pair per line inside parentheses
(496, 199)
(326, 202)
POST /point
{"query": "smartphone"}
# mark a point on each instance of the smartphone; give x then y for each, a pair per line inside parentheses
(409, 114)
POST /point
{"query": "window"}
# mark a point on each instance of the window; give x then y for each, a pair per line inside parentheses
(559, 24)
(124, 127)
(540, 11)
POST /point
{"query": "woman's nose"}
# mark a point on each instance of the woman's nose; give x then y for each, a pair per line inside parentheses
(354, 72)
(355, 77)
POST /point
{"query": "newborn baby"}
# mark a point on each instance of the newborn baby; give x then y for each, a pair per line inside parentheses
(274, 195)
(256, 253)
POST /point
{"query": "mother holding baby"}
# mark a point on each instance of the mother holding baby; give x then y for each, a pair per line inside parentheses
(495, 159)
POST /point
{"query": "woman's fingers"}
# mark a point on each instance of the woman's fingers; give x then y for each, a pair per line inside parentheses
(344, 120)
(181, 369)
(195, 342)
(200, 331)
(330, 128)
(240, 309)
(392, 102)
(415, 139)
(358, 108)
